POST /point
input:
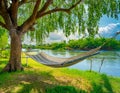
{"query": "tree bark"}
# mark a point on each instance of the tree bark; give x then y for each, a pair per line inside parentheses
(14, 63)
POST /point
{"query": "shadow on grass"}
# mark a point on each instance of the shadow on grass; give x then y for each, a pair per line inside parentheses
(98, 88)
(64, 89)
(30, 88)
(107, 84)
(34, 87)
(34, 82)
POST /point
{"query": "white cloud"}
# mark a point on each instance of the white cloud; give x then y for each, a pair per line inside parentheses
(58, 36)
(27, 40)
(74, 36)
(108, 28)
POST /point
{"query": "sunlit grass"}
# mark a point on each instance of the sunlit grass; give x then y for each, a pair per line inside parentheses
(37, 78)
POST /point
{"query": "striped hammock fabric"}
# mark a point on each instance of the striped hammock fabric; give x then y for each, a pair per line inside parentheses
(48, 60)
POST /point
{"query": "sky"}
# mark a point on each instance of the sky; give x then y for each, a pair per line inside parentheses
(107, 28)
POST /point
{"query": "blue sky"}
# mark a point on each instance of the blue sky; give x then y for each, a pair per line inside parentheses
(108, 26)
(107, 20)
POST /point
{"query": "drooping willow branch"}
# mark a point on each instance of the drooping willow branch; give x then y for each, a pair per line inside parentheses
(40, 14)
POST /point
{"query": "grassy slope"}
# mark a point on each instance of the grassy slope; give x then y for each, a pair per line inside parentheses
(41, 79)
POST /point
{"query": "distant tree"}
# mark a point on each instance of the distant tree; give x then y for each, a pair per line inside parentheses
(39, 17)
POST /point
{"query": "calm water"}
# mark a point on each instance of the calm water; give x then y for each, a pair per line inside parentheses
(111, 63)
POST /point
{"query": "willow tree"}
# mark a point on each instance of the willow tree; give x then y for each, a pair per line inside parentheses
(39, 17)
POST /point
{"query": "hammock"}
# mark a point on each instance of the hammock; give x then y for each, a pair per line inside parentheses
(48, 60)
(64, 62)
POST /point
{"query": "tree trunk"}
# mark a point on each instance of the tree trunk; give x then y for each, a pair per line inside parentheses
(14, 63)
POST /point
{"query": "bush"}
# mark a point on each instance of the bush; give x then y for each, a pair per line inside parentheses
(5, 53)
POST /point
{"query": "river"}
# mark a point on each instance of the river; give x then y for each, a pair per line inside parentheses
(110, 66)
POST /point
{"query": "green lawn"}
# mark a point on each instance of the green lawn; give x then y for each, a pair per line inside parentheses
(37, 78)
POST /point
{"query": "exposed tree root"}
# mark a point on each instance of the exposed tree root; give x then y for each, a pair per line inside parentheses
(12, 68)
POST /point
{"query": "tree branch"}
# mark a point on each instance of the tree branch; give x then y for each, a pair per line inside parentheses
(6, 3)
(22, 2)
(53, 11)
(40, 14)
(36, 8)
(13, 12)
(37, 14)
(46, 5)
(30, 21)
(25, 1)
(4, 13)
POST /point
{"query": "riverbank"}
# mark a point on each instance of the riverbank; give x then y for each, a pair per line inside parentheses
(37, 78)
(80, 44)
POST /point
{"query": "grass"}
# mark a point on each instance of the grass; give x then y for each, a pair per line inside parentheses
(37, 78)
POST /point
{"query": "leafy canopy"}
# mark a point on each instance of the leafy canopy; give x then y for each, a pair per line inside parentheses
(84, 16)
